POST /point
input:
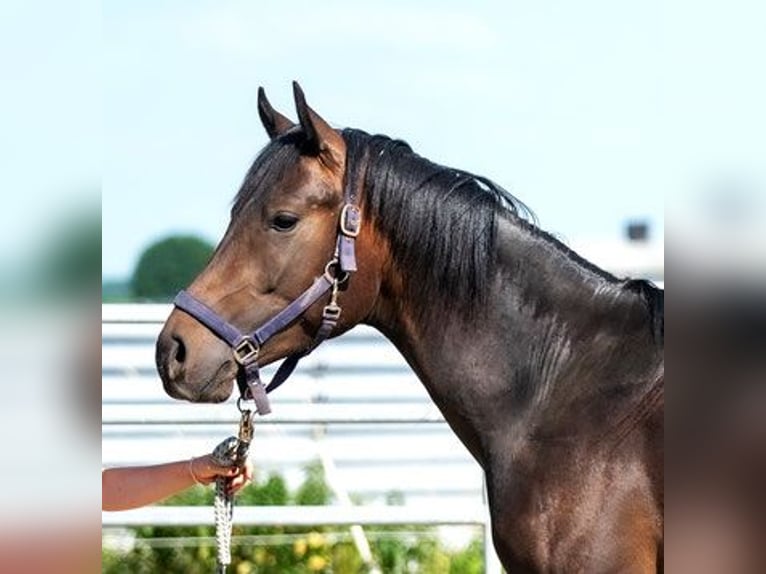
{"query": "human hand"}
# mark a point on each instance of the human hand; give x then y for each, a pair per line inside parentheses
(243, 475)
(204, 469)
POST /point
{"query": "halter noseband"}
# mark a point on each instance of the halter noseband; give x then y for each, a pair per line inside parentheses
(247, 346)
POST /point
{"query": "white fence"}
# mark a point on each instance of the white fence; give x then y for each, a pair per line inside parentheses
(354, 405)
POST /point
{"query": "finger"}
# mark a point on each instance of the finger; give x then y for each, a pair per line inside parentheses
(238, 483)
(247, 470)
(225, 471)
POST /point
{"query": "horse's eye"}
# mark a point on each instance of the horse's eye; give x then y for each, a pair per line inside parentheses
(284, 221)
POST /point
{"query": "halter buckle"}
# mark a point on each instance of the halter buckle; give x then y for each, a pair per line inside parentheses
(350, 219)
(331, 312)
(246, 351)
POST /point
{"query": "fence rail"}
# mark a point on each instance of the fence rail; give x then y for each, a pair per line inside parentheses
(415, 515)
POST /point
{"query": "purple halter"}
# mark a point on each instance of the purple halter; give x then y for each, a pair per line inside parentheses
(247, 346)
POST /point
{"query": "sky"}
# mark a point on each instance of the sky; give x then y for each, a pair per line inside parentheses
(50, 124)
(559, 103)
(592, 113)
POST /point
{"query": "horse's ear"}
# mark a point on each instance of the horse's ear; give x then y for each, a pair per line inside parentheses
(320, 138)
(275, 123)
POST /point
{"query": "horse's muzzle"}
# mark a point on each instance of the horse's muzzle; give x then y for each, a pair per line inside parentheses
(193, 365)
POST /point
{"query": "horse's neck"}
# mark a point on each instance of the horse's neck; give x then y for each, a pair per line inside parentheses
(549, 338)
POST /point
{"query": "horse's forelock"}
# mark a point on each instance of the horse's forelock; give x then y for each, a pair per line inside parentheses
(271, 162)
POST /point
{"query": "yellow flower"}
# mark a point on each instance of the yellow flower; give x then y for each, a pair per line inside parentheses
(316, 563)
(300, 547)
(315, 540)
(245, 568)
(259, 555)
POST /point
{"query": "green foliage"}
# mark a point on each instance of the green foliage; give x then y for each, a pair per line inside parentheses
(168, 266)
(273, 492)
(322, 550)
(314, 490)
(470, 560)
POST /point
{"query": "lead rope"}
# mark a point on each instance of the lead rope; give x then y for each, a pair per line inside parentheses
(231, 452)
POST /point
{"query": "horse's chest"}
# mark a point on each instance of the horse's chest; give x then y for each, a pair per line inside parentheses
(566, 516)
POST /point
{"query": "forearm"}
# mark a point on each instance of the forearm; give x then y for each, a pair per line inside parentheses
(131, 487)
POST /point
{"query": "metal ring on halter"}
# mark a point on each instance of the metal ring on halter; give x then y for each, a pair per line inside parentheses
(246, 351)
(333, 276)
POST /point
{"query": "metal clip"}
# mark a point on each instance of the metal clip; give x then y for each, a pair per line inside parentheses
(244, 438)
(334, 293)
(246, 426)
(332, 310)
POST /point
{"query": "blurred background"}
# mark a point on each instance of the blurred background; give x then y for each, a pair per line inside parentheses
(603, 117)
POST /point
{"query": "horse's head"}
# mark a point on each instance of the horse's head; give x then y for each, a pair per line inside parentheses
(283, 232)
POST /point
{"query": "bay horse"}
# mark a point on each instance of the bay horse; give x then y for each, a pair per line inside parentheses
(548, 369)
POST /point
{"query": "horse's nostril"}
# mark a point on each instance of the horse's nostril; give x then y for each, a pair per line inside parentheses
(180, 349)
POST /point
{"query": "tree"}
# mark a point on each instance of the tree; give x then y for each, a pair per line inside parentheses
(168, 266)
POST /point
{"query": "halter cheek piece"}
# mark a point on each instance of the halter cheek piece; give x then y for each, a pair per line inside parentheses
(247, 346)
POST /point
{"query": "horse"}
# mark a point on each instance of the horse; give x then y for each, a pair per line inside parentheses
(548, 369)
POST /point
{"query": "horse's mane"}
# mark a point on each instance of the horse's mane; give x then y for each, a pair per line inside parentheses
(654, 299)
(440, 221)
(410, 197)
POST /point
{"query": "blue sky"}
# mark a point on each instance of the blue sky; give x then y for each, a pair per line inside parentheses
(591, 112)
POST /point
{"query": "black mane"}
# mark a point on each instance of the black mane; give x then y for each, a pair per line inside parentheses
(654, 299)
(410, 198)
